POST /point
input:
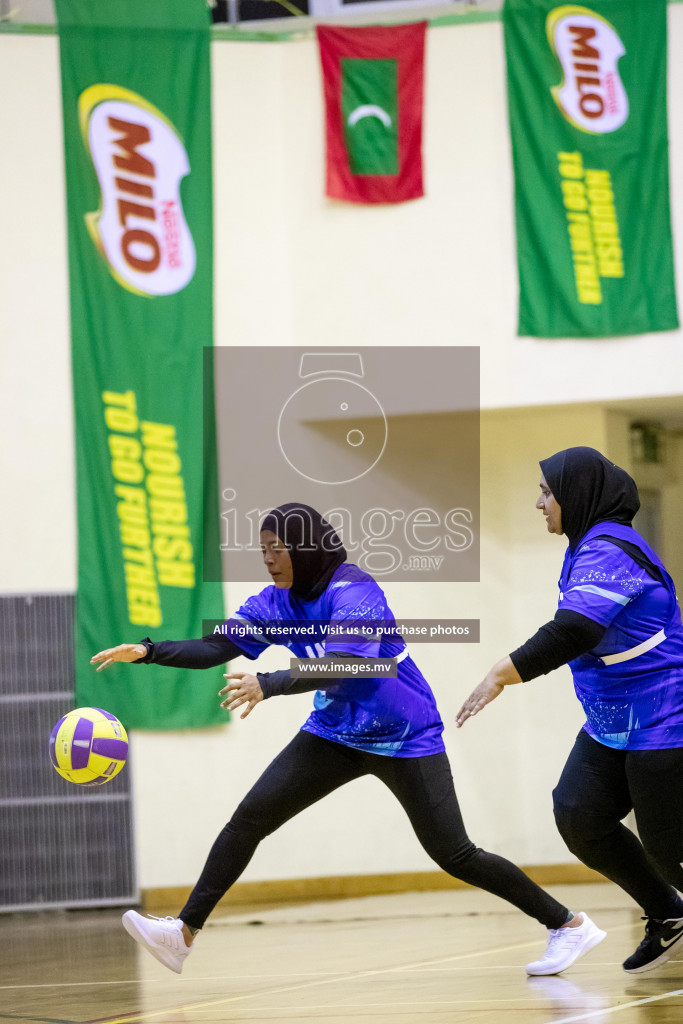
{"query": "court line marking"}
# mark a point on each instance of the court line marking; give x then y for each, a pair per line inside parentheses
(202, 979)
(196, 981)
(616, 1009)
(289, 974)
(329, 977)
(134, 1018)
(43, 1020)
(303, 974)
(388, 1007)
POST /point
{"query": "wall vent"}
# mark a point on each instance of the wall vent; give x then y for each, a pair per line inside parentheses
(61, 845)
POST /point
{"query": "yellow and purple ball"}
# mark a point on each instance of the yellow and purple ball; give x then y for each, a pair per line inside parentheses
(88, 746)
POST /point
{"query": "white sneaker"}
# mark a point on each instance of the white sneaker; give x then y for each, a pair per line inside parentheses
(160, 936)
(566, 945)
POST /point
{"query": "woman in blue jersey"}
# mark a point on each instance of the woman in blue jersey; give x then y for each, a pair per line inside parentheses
(618, 625)
(319, 604)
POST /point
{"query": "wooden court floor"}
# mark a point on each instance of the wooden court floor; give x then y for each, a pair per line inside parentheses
(431, 958)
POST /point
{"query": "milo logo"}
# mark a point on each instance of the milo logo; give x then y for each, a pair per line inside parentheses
(140, 161)
(592, 96)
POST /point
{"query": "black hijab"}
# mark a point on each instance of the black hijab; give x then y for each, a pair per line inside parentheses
(314, 547)
(589, 489)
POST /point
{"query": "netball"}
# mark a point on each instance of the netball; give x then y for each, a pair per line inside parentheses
(88, 746)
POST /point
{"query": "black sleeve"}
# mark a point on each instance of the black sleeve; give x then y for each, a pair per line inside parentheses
(206, 653)
(561, 640)
(276, 684)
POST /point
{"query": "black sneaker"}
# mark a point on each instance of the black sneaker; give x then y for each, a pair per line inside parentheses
(662, 940)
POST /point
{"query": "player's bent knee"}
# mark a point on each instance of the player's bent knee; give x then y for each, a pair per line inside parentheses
(456, 861)
(251, 823)
(572, 822)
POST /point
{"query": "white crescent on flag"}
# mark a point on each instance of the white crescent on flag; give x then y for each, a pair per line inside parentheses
(369, 110)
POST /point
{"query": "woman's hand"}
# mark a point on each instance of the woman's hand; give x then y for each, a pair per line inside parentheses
(501, 675)
(246, 689)
(478, 699)
(124, 652)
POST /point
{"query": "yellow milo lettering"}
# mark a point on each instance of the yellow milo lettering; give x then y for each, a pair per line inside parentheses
(132, 509)
(608, 252)
(140, 576)
(120, 399)
(603, 211)
(581, 238)
(121, 420)
(575, 197)
(128, 471)
(167, 511)
(166, 463)
(165, 487)
(598, 179)
(571, 165)
(605, 229)
(135, 537)
(143, 614)
(173, 530)
(159, 435)
(590, 296)
(574, 194)
(604, 223)
(601, 195)
(611, 269)
(131, 495)
(143, 605)
(122, 447)
(132, 515)
(171, 544)
(593, 227)
(176, 574)
(138, 555)
(167, 549)
(587, 280)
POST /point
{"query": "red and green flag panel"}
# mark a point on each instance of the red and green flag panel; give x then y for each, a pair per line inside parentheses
(588, 120)
(137, 135)
(373, 86)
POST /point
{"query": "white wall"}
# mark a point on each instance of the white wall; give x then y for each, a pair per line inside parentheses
(295, 268)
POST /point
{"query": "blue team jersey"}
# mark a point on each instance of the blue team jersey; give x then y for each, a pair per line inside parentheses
(631, 684)
(395, 717)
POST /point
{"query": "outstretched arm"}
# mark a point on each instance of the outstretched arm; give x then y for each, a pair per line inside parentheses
(566, 637)
(124, 652)
(252, 689)
(206, 653)
(502, 674)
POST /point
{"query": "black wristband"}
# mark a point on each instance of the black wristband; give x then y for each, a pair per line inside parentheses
(149, 647)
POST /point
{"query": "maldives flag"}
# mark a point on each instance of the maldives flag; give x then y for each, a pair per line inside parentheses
(373, 82)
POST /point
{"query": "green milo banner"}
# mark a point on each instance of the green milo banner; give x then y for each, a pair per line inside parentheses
(137, 135)
(588, 119)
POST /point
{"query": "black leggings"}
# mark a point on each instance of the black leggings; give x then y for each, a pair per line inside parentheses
(311, 767)
(598, 787)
